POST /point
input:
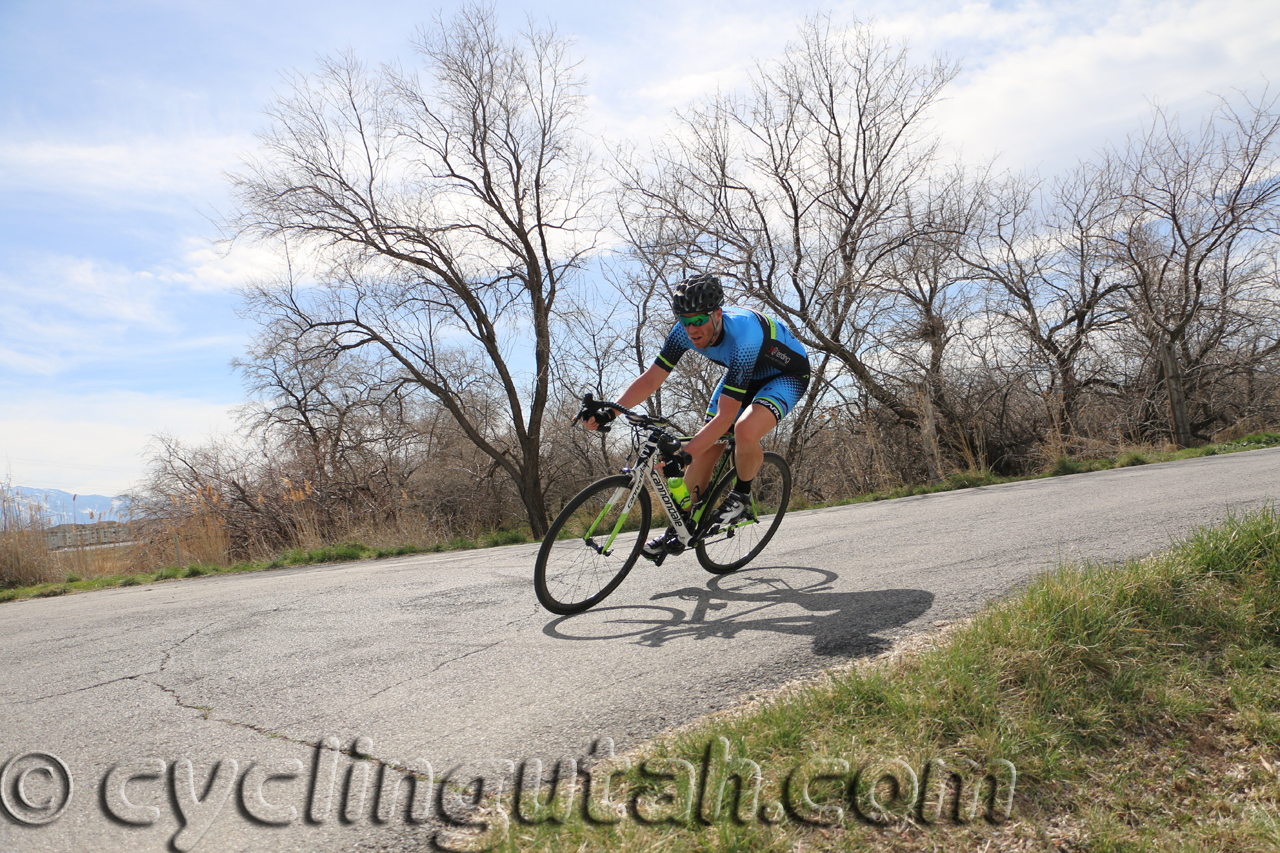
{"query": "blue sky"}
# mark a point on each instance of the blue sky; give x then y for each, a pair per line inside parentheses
(118, 122)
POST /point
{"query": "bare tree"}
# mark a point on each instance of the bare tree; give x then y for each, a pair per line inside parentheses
(1052, 281)
(812, 191)
(349, 424)
(448, 215)
(1201, 214)
(239, 485)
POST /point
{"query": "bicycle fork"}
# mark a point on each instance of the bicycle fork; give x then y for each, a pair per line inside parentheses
(588, 537)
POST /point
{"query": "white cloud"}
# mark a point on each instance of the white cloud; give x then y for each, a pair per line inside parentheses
(662, 56)
(208, 267)
(64, 312)
(1050, 91)
(95, 443)
(1043, 83)
(69, 312)
(129, 168)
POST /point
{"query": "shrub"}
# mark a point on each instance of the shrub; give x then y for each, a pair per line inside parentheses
(1065, 465)
(1130, 459)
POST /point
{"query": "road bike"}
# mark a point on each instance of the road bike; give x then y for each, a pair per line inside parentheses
(596, 539)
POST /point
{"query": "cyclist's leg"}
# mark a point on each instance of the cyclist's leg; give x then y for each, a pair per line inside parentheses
(752, 426)
(697, 477)
(770, 403)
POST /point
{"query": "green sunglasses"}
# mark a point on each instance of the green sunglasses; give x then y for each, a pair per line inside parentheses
(695, 320)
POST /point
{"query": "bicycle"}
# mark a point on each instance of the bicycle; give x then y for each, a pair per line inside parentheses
(596, 539)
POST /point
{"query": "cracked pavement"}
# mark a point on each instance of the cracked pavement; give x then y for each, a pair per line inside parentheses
(446, 660)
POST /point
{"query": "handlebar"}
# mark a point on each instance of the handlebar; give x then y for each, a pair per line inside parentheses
(592, 407)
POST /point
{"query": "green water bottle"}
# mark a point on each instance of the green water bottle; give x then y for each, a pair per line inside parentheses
(679, 493)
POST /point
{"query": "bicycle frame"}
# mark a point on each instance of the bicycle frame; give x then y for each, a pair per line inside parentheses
(643, 471)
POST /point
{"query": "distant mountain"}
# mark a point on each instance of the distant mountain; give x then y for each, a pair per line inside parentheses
(59, 507)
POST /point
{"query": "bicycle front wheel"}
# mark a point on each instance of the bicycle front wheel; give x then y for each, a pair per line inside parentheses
(591, 546)
(727, 550)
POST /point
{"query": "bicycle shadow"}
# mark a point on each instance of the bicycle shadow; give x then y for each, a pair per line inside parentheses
(795, 600)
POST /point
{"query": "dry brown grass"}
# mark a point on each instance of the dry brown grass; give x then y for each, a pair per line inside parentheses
(26, 559)
(201, 538)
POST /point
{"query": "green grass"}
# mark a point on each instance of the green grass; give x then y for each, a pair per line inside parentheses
(506, 537)
(1061, 466)
(1129, 459)
(1065, 465)
(1256, 441)
(1140, 706)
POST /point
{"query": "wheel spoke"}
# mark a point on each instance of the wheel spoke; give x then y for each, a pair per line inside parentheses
(739, 543)
(573, 572)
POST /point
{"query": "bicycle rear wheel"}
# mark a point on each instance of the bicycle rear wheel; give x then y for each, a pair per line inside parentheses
(730, 549)
(590, 547)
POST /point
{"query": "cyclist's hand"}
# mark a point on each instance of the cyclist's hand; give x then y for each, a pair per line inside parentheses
(674, 464)
(595, 415)
(598, 421)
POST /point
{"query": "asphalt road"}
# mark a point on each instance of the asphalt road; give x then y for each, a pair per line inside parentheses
(448, 661)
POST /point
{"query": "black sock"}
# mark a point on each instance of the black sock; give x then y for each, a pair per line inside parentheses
(743, 487)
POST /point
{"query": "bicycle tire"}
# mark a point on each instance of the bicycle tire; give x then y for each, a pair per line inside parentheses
(570, 575)
(729, 550)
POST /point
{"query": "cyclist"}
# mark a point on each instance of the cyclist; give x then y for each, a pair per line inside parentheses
(768, 371)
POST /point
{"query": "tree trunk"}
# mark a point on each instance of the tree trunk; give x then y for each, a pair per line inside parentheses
(1179, 418)
(535, 503)
(929, 438)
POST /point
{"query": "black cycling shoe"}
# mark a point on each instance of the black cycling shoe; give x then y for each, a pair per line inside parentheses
(657, 548)
(735, 506)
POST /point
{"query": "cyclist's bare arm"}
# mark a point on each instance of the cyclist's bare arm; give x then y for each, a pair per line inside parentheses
(643, 387)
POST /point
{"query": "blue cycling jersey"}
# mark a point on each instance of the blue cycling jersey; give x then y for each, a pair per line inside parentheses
(755, 349)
